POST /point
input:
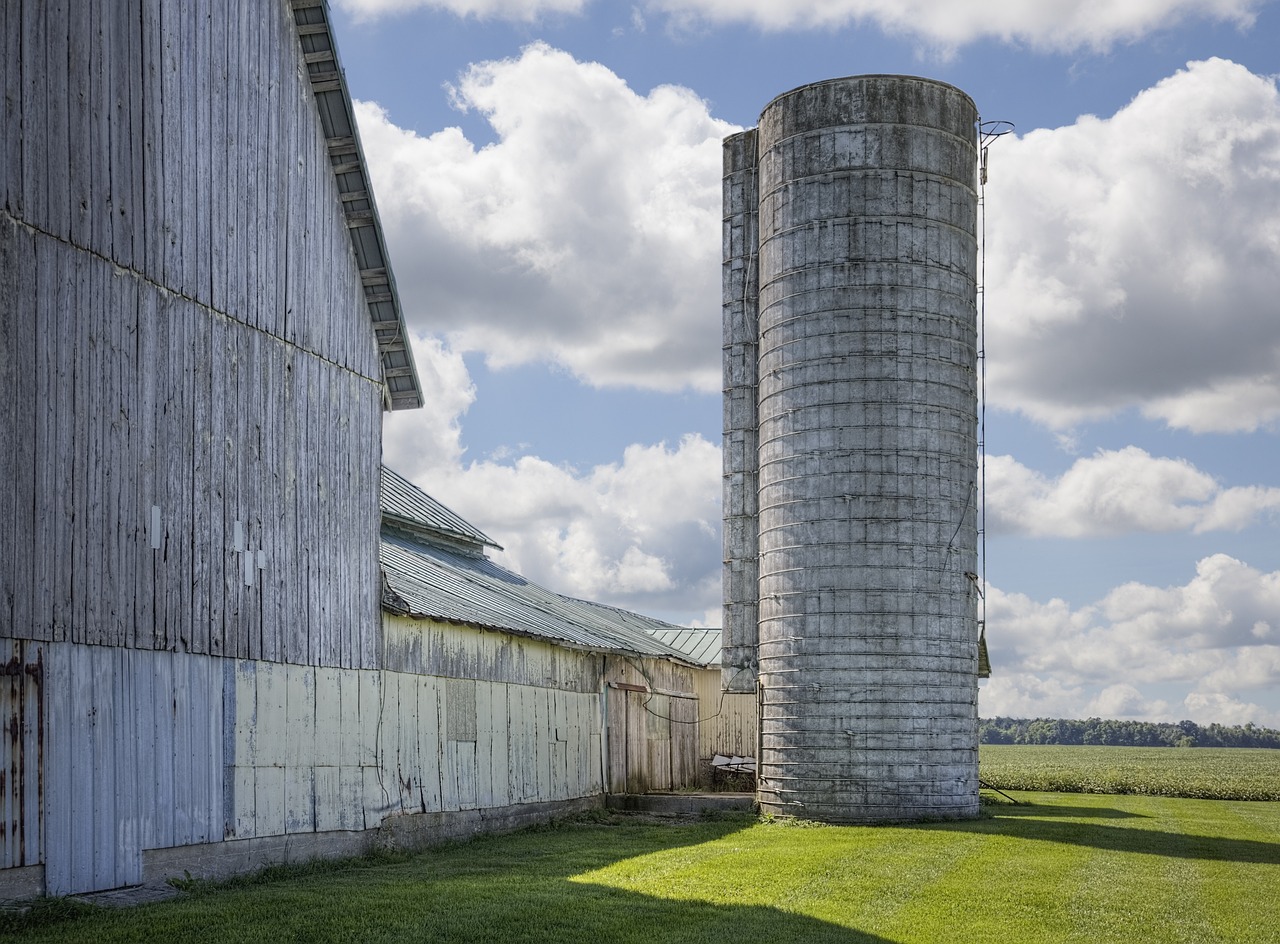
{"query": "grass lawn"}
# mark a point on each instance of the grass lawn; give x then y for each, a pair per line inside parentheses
(1055, 868)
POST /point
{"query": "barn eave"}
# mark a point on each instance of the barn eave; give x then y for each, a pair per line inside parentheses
(401, 387)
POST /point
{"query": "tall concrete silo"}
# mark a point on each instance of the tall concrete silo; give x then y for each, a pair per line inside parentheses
(852, 312)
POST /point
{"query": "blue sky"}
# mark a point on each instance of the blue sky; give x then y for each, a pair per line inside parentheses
(548, 174)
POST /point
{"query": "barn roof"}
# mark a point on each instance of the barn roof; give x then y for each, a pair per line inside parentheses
(700, 645)
(333, 103)
(405, 507)
(428, 576)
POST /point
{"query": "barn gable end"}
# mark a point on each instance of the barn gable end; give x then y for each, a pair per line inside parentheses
(198, 345)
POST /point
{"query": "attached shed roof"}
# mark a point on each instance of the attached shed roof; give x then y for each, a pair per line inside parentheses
(408, 507)
(700, 645)
(333, 103)
(428, 581)
(434, 567)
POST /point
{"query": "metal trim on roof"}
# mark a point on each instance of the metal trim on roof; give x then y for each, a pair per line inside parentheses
(403, 502)
(701, 645)
(401, 387)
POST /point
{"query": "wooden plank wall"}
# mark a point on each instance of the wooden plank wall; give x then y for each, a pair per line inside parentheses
(652, 710)
(727, 720)
(487, 719)
(318, 748)
(190, 403)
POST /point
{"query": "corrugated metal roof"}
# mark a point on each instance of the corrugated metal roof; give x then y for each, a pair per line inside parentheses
(700, 645)
(437, 583)
(333, 104)
(403, 500)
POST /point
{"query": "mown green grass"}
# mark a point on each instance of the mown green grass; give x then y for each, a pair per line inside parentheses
(1200, 772)
(1054, 868)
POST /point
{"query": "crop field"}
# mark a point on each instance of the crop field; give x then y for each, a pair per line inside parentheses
(1200, 772)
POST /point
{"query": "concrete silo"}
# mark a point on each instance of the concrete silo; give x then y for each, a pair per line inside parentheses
(849, 303)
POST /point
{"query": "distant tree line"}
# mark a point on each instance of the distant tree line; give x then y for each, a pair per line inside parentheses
(1123, 733)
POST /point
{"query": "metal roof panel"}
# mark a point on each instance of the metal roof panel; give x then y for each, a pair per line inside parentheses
(437, 583)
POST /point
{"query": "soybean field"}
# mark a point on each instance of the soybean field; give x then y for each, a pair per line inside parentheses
(1197, 772)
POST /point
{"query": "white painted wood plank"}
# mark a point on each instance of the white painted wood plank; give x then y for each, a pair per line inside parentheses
(500, 741)
(269, 801)
(377, 798)
(430, 748)
(407, 765)
(463, 762)
(246, 697)
(332, 809)
(246, 801)
(300, 709)
(350, 732)
(328, 723)
(351, 808)
(371, 711)
(485, 737)
(272, 728)
(300, 792)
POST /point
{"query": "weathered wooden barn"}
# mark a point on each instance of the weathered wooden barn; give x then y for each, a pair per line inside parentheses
(727, 720)
(199, 333)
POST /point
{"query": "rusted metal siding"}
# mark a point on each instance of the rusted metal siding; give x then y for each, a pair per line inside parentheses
(22, 754)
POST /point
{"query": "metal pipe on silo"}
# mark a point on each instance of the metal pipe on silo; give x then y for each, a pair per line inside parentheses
(867, 417)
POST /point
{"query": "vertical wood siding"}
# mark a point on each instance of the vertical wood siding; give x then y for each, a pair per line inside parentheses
(652, 713)
(726, 720)
(186, 339)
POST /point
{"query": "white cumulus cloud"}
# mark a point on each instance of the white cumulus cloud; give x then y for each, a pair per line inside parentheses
(642, 532)
(1209, 640)
(1118, 492)
(587, 234)
(1134, 261)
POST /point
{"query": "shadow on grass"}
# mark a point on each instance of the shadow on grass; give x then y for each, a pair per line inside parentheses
(1039, 810)
(514, 888)
(1040, 822)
